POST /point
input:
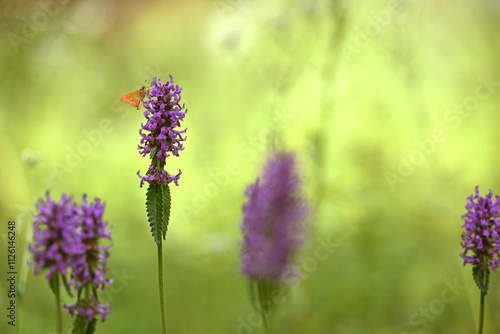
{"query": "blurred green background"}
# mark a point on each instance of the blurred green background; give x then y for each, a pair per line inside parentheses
(391, 108)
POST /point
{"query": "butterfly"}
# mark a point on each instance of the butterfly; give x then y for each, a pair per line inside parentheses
(135, 98)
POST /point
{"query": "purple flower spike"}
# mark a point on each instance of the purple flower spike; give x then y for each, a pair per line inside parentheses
(56, 235)
(273, 219)
(92, 266)
(67, 237)
(482, 229)
(164, 115)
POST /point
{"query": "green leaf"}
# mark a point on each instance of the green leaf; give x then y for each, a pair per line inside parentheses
(481, 276)
(54, 283)
(477, 279)
(66, 285)
(487, 281)
(486, 274)
(91, 328)
(152, 154)
(154, 207)
(81, 326)
(166, 209)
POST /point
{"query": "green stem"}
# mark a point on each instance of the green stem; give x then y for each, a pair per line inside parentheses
(58, 310)
(481, 314)
(270, 311)
(264, 298)
(160, 284)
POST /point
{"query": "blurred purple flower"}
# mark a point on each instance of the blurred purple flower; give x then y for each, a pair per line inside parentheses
(482, 228)
(164, 115)
(58, 240)
(88, 308)
(67, 237)
(91, 267)
(273, 219)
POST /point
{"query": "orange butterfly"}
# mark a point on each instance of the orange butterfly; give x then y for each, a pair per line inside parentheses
(135, 98)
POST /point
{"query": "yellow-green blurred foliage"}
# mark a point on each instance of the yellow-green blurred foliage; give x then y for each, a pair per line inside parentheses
(383, 102)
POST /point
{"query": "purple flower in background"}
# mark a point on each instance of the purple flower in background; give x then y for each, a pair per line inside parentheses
(160, 135)
(88, 308)
(482, 227)
(91, 266)
(58, 240)
(273, 219)
(67, 237)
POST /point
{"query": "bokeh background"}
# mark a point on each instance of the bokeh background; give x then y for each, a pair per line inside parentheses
(391, 108)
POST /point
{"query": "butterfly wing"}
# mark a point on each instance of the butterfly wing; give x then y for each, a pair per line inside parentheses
(135, 98)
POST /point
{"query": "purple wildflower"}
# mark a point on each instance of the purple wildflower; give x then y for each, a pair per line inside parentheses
(67, 237)
(272, 222)
(88, 308)
(58, 240)
(164, 114)
(161, 177)
(482, 227)
(91, 267)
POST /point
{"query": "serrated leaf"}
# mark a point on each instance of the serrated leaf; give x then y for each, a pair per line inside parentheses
(485, 274)
(476, 277)
(81, 326)
(166, 209)
(482, 278)
(487, 282)
(154, 207)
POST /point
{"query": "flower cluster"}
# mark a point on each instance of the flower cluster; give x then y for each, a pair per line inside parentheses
(67, 237)
(57, 236)
(155, 176)
(160, 135)
(482, 228)
(88, 308)
(273, 216)
(91, 268)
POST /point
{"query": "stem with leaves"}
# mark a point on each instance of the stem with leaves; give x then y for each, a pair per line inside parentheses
(158, 208)
(481, 275)
(262, 290)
